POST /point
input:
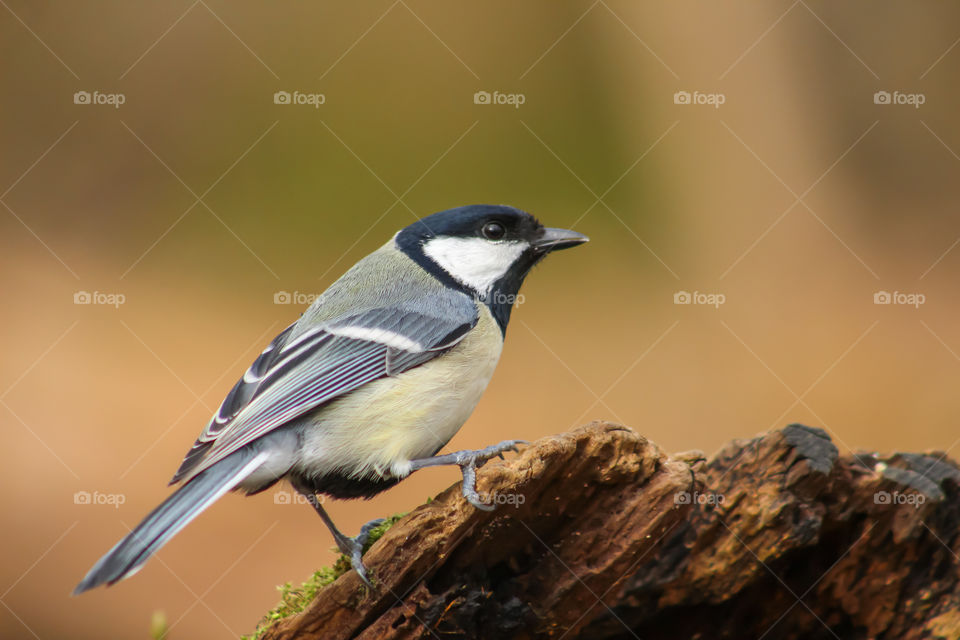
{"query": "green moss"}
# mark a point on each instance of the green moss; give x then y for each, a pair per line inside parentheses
(158, 625)
(382, 528)
(293, 600)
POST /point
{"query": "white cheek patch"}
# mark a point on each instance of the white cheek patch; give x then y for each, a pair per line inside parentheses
(475, 262)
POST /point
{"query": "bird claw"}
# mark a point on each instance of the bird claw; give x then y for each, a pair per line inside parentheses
(470, 461)
(353, 548)
(367, 529)
(480, 457)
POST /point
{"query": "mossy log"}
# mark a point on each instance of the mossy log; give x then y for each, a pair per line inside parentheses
(600, 534)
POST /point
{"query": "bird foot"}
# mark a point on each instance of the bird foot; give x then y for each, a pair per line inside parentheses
(470, 461)
(353, 548)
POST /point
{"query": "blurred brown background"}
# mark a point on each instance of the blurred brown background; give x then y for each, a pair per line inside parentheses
(199, 198)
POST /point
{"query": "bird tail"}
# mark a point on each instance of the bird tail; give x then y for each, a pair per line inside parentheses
(128, 555)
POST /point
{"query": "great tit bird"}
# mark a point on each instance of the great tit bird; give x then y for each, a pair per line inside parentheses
(372, 380)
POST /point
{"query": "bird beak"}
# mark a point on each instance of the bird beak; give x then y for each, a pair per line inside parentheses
(556, 239)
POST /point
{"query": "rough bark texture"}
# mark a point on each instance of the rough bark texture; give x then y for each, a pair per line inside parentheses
(600, 534)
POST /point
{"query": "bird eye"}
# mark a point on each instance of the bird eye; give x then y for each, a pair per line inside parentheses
(493, 231)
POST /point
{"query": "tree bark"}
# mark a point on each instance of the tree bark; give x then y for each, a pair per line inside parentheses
(599, 534)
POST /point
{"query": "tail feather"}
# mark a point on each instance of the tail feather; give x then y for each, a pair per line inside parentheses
(128, 555)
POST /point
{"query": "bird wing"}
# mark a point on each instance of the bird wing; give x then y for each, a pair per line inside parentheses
(303, 369)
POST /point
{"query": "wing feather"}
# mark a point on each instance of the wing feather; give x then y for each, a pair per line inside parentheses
(304, 368)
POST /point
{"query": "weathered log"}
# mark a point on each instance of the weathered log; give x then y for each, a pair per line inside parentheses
(600, 534)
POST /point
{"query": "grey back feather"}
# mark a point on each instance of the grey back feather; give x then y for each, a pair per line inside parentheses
(309, 364)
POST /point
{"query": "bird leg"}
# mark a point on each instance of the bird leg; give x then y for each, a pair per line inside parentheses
(469, 462)
(350, 547)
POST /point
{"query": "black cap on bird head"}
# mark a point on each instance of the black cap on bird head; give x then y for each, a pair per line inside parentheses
(484, 250)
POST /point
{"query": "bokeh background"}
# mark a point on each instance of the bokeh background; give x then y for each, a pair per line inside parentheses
(199, 199)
